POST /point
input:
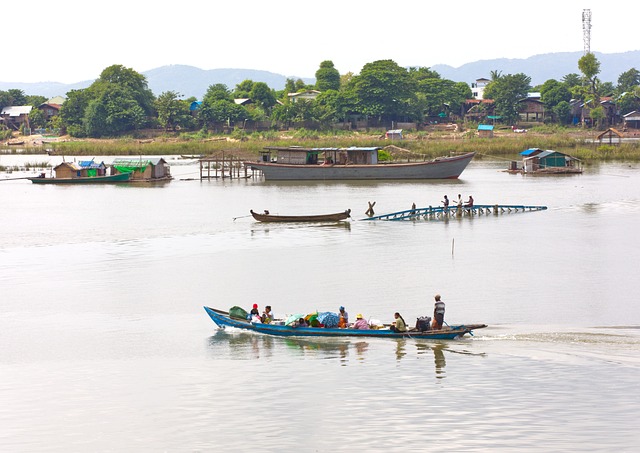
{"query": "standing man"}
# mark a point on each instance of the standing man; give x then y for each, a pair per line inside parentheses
(445, 203)
(438, 313)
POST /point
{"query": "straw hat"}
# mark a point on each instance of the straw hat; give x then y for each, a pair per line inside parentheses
(359, 316)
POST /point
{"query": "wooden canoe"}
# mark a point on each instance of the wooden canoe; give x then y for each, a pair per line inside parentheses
(222, 319)
(266, 217)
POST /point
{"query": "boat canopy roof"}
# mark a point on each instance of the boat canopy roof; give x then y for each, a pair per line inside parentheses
(319, 150)
(137, 163)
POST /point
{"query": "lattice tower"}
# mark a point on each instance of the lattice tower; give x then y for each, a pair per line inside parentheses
(586, 30)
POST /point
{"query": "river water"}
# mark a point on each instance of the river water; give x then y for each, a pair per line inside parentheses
(104, 345)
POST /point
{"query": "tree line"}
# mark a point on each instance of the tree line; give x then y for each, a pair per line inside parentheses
(120, 101)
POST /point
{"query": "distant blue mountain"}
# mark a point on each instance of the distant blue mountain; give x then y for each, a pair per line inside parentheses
(191, 81)
(543, 67)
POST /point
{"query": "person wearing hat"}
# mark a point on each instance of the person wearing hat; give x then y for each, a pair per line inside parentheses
(343, 320)
(254, 312)
(361, 323)
(438, 313)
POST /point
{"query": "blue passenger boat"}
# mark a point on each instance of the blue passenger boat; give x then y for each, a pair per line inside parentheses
(223, 319)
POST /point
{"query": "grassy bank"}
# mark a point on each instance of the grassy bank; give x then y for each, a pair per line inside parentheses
(424, 144)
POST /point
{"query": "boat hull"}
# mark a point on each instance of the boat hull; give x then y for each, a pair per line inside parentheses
(222, 319)
(307, 218)
(121, 177)
(441, 168)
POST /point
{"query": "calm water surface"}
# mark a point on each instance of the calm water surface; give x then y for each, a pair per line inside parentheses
(104, 345)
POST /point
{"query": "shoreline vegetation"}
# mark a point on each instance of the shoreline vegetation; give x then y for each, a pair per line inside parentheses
(415, 145)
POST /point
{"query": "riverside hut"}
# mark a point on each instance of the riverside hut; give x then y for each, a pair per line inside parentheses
(143, 169)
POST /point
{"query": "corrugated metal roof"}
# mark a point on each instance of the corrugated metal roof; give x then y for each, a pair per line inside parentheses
(530, 151)
(485, 127)
(17, 110)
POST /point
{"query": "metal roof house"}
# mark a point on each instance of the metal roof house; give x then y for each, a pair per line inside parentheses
(309, 95)
(16, 116)
(536, 160)
(145, 169)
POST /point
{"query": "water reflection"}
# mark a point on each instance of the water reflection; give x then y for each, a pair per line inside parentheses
(250, 346)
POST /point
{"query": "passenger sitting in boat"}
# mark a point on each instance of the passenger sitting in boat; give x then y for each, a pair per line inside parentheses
(469, 203)
(267, 315)
(361, 323)
(445, 203)
(254, 311)
(398, 325)
(302, 323)
(343, 321)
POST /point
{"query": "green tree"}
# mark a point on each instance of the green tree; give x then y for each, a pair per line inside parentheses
(590, 68)
(132, 82)
(553, 92)
(35, 101)
(507, 91)
(113, 112)
(628, 80)
(571, 80)
(17, 97)
(172, 111)
(37, 119)
(263, 95)
(383, 89)
(243, 89)
(73, 110)
(327, 77)
(5, 99)
(562, 111)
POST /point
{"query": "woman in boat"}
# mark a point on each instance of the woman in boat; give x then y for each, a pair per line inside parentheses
(438, 313)
(469, 203)
(361, 323)
(254, 313)
(343, 321)
(302, 323)
(398, 325)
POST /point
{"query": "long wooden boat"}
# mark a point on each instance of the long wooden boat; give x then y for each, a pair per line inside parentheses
(222, 319)
(122, 177)
(295, 163)
(266, 217)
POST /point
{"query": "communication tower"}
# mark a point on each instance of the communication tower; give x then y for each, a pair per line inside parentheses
(586, 30)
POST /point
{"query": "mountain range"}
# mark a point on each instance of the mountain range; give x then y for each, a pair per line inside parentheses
(191, 81)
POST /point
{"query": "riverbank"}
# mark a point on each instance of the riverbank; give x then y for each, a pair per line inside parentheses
(425, 144)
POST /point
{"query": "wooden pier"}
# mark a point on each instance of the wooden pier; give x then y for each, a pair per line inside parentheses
(223, 167)
(440, 213)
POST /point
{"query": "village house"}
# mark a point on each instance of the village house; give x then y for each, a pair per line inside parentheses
(309, 95)
(477, 88)
(16, 116)
(532, 108)
(632, 121)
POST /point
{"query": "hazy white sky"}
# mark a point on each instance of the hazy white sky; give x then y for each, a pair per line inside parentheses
(71, 40)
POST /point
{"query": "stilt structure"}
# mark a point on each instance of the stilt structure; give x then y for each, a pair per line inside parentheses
(222, 167)
(440, 213)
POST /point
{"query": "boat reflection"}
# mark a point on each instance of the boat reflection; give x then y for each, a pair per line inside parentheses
(249, 346)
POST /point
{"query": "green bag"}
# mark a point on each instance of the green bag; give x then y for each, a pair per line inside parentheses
(238, 313)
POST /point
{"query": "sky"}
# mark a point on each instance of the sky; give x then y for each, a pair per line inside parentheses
(70, 41)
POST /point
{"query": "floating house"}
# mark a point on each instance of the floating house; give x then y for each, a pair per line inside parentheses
(143, 169)
(82, 169)
(538, 161)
